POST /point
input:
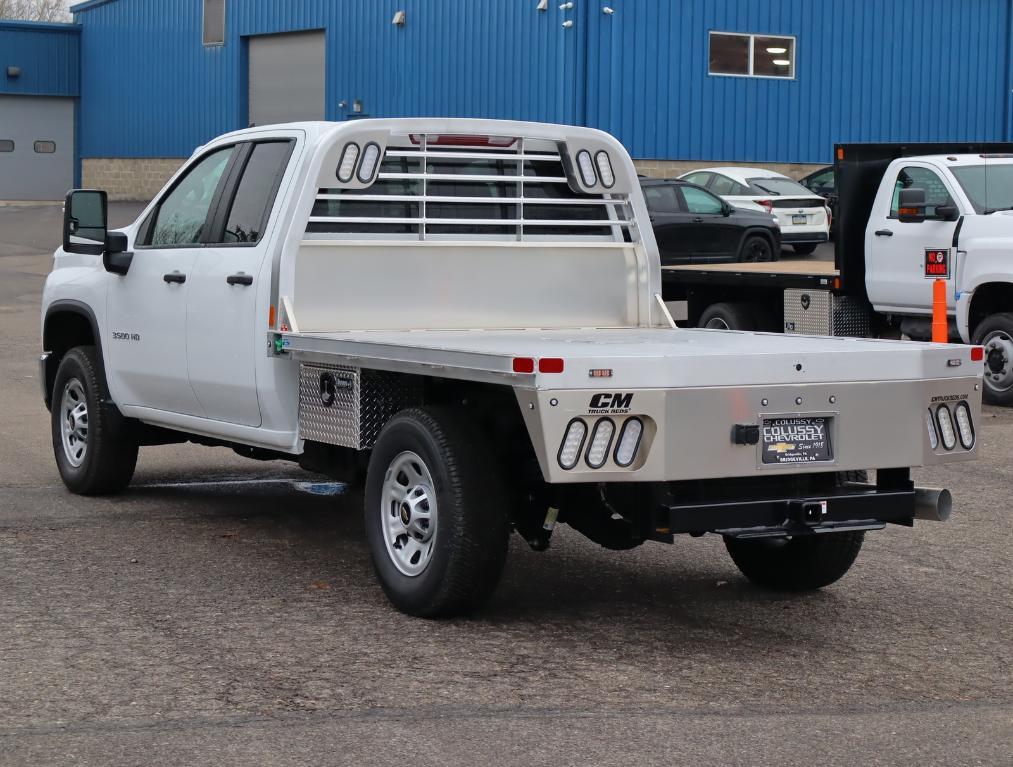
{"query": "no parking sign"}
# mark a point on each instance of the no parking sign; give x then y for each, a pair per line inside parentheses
(937, 263)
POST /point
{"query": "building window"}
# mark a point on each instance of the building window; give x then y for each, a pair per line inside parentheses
(214, 22)
(751, 55)
(45, 147)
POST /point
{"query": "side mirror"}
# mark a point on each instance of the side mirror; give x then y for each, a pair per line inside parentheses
(84, 222)
(85, 230)
(947, 212)
(727, 210)
(911, 206)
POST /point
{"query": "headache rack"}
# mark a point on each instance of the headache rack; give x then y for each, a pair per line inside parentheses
(471, 188)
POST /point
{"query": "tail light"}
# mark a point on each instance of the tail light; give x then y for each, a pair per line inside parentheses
(830, 216)
(767, 205)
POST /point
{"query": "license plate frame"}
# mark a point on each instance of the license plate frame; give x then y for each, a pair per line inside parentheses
(799, 219)
(794, 440)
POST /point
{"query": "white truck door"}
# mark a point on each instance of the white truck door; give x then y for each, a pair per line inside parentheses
(146, 308)
(224, 338)
(895, 252)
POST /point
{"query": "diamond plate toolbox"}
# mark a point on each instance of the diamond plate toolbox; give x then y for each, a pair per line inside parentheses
(348, 406)
(821, 313)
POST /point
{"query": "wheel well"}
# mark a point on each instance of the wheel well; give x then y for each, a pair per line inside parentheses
(63, 330)
(989, 299)
(758, 231)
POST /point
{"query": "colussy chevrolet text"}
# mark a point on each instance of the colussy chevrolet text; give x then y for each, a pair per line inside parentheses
(466, 316)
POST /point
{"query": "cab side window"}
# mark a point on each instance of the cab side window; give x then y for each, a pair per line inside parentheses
(701, 202)
(914, 177)
(253, 200)
(182, 215)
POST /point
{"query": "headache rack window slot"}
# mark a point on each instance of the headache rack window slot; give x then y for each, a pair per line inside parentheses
(504, 193)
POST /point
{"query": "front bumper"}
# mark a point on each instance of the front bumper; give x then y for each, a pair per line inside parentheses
(44, 376)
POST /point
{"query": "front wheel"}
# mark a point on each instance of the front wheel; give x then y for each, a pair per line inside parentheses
(435, 513)
(995, 333)
(801, 563)
(93, 453)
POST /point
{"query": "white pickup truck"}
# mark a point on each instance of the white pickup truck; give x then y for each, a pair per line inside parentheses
(467, 314)
(907, 214)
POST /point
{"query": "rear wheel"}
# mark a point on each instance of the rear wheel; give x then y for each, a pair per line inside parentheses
(800, 563)
(435, 513)
(93, 453)
(756, 248)
(995, 333)
(728, 316)
(805, 248)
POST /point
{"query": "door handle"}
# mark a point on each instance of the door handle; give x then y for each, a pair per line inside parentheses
(239, 279)
(174, 278)
(697, 220)
(883, 233)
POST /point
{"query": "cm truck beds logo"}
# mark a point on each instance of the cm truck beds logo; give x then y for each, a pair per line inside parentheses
(610, 403)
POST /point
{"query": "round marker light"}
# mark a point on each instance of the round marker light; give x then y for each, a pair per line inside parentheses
(346, 168)
(367, 167)
(601, 441)
(629, 441)
(945, 420)
(965, 429)
(573, 441)
(586, 168)
(930, 424)
(608, 178)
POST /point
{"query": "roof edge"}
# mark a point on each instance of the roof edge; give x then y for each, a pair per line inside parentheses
(88, 5)
(49, 26)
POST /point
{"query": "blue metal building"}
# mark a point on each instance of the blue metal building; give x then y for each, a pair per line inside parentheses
(675, 80)
(39, 73)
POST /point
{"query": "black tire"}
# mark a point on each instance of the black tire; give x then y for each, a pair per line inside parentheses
(469, 546)
(107, 462)
(860, 475)
(728, 316)
(995, 333)
(805, 248)
(802, 563)
(756, 248)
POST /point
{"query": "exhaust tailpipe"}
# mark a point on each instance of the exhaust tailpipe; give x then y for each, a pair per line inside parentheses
(933, 504)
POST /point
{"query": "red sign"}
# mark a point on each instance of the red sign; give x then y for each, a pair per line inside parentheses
(937, 263)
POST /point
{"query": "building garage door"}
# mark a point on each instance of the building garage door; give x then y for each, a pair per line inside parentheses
(286, 77)
(36, 147)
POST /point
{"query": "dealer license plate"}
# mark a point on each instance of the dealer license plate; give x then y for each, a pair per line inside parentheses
(796, 440)
(799, 220)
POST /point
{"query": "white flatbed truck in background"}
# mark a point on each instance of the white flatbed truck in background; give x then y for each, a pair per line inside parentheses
(908, 214)
(468, 315)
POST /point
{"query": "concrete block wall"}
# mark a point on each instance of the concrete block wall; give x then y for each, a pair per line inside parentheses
(674, 168)
(128, 178)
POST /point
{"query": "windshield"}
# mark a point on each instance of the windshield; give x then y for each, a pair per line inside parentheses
(778, 187)
(988, 187)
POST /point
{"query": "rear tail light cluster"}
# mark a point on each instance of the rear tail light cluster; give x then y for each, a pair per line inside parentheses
(947, 427)
(767, 205)
(601, 444)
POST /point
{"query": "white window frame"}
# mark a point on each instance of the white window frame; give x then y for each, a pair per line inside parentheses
(752, 45)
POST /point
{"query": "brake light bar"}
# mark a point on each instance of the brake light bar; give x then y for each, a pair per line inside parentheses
(454, 139)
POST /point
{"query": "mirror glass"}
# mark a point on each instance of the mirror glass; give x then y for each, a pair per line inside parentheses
(86, 218)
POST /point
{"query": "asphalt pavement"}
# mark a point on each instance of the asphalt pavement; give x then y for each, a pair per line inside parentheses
(223, 611)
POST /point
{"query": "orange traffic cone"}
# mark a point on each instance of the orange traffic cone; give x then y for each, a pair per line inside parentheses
(940, 328)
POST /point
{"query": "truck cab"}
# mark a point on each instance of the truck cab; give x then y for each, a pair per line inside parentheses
(958, 228)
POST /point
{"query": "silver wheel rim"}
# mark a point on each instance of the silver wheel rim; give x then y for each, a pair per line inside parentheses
(408, 513)
(74, 422)
(998, 355)
(716, 323)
